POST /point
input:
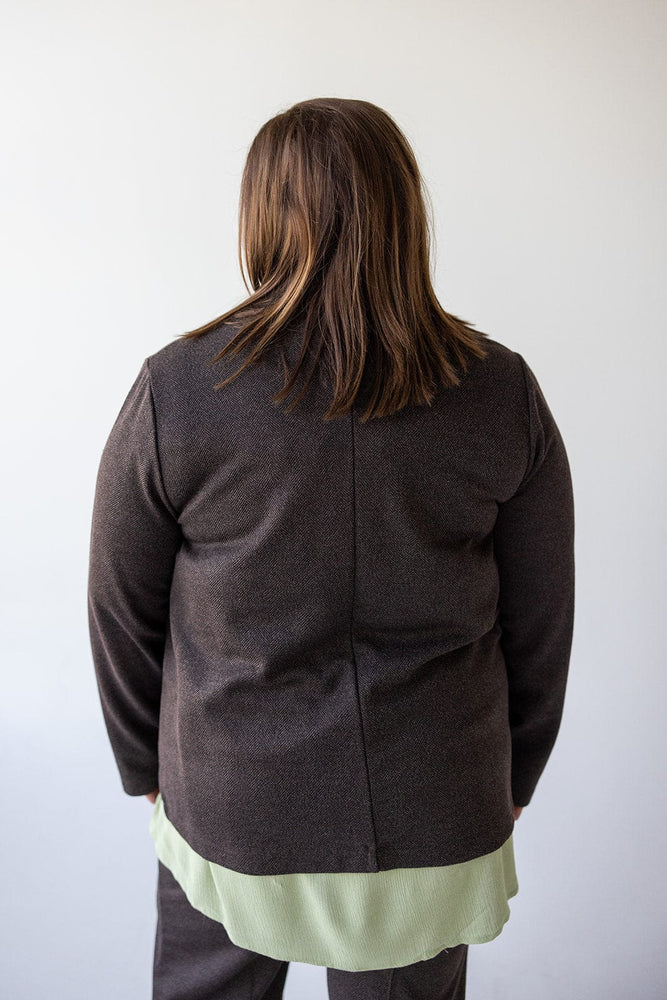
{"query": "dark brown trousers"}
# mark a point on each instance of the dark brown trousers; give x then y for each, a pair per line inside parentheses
(195, 960)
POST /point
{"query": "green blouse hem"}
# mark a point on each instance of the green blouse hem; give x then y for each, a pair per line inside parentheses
(354, 921)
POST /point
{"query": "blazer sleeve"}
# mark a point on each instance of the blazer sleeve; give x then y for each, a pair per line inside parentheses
(534, 549)
(134, 538)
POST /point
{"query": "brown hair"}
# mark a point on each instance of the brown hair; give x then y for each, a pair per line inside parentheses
(335, 232)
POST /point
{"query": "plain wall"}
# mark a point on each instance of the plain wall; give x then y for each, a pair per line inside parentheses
(540, 129)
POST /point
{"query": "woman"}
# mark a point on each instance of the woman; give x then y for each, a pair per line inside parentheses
(332, 638)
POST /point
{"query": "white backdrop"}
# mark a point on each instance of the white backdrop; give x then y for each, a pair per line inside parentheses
(540, 129)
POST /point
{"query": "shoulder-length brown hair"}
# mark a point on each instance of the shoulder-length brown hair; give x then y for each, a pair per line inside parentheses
(335, 233)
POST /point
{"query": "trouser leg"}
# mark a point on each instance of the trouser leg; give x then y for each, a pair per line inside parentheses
(440, 978)
(194, 958)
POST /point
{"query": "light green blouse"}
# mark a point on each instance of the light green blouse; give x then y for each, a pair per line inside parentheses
(346, 920)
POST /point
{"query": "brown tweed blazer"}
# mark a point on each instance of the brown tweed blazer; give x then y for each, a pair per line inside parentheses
(334, 646)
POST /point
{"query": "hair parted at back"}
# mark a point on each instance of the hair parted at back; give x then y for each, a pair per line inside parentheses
(335, 234)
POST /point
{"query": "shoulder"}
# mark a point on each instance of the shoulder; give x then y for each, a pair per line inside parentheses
(184, 365)
(500, 357)
(503, 370)
(176, 357)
